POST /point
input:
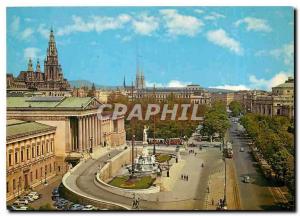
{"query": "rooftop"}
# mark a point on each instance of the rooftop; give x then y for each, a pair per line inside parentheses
(286, 85)
(17, 128)
(48, 102)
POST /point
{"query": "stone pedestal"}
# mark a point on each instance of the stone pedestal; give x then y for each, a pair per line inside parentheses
(178, 156)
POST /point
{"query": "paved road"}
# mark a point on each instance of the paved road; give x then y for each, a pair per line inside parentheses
(82, 180)
(256, 195)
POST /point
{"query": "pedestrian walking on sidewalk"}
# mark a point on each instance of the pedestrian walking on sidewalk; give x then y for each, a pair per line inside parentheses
(187, 178)
(181, 176)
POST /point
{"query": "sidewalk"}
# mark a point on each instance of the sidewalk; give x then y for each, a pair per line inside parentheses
(232, 189)
(215, 188)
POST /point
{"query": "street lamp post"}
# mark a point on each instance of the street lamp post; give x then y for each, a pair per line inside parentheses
(168, 171)
(91, 147)
(132, 156)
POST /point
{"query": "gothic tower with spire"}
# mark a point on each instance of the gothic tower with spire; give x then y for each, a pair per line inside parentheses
(51, 80)
(52, 68)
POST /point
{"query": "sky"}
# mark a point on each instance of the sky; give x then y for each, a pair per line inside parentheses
(235, 48)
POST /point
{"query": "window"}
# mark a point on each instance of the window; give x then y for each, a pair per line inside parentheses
(50, 167)
(38, 150)
(7, 187)
(32, 152)
(16, 157)
(22, 155)
(36, 174)
(27, 153)
(31, 178)
(52, 141)
(43, 143)
(41, 171)
(14, 184)
(47, 146)
(10, 159)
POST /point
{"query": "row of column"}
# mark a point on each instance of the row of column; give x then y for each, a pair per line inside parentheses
(89, 132)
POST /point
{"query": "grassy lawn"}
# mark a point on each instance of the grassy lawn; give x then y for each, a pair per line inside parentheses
(143, 182)
(161, 158)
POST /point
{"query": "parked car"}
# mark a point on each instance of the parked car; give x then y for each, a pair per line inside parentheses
(76, 207)
(55, 191)
(246, 179)
(89, 208)
(28, 198)
(55, 197)
(34, 195)
(19, 202)
(19, 208)
(62, 205)
(61, 201)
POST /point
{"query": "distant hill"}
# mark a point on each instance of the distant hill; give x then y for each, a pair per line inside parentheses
(80, 83)
(87, 83)
(215, 90)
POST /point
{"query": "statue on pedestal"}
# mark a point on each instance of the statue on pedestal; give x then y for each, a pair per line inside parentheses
(145, 135)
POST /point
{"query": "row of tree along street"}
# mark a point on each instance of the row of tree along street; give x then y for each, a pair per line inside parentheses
(215, 121)
(164, 129)
(274, 139)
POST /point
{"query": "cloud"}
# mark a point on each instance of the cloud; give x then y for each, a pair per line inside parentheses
(231, 87)
(152, 84)
(96, 23)
(26, 34)
(199, 11)
(178, 24)
(214, 16)
(32, 52)
(145, 24)
(177, 83)
(256, 83)
(43, 31)
(285, 53)
(254, 24)
(28, 19)
(15, 25)
(221, 38)
(172, 84)
(279, 78)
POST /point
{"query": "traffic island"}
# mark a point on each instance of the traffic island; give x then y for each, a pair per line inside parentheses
(126, 182)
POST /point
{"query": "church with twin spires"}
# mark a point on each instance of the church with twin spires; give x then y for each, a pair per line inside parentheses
(50, 81)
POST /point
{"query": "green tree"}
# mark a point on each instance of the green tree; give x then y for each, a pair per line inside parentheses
(236, 108)
(216, 121)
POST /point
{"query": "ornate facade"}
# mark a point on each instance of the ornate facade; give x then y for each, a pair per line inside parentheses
(278, 102)
(30, 158)
(51, 81)
(76, 119)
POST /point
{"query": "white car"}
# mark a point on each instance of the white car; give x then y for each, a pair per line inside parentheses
(89, 208)
(29, 198)
(34, 195)
(21, 202)
(246, 179)
(21, 208)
